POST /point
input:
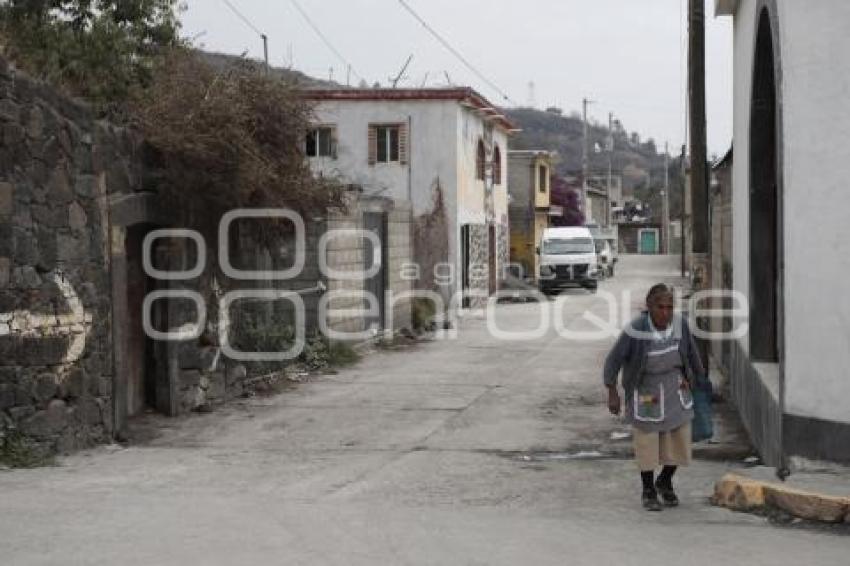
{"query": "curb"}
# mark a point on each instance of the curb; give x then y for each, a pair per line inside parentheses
(740, 493)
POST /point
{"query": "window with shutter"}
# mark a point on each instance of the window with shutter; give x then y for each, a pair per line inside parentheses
(388, 143)
(403, 151)
(373, 145)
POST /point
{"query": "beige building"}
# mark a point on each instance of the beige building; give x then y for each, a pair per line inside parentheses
(529, 208)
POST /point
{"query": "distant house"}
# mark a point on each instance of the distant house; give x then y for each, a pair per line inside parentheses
(641, 237)
(789, 373)
(530, 206)
(443, 152)
(597, 200)
(604, 194)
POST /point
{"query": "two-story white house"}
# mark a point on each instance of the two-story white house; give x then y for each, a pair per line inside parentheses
(443, 151)
(791, 253)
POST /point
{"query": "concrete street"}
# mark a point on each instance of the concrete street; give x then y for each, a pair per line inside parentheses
(474, 451)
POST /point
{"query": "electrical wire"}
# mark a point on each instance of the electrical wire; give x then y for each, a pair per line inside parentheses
(242, 17)
(326, 41)
(456, 53)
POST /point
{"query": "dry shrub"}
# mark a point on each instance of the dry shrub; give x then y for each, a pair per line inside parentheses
(229, 138)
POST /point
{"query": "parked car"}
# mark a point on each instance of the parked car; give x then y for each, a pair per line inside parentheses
(567, 259)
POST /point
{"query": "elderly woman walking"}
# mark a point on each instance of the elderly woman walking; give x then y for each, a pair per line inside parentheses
(661, 366)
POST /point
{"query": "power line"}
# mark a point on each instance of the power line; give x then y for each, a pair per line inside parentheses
(263, 36)
(324, 39)
(456, 53)
(242, 17)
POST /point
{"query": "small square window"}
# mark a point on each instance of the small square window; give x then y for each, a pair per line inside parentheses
(319, 142)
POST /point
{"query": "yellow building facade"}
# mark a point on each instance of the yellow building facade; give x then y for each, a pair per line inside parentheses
(529, 190)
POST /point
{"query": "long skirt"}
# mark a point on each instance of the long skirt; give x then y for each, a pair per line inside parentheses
(654, 449)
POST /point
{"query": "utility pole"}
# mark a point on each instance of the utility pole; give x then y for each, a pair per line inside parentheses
(684, 181)
(699, 169)
(584, 158)
(665, 231)
(610, 147)
(265, 50)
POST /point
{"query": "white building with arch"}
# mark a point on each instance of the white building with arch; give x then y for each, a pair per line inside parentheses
(791, 250)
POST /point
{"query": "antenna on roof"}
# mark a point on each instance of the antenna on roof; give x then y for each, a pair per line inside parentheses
(400, 74)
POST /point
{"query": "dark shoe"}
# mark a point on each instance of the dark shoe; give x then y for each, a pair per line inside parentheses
(668, 496)
(650, 500)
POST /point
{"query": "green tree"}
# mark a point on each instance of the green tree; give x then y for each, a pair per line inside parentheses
(96, 49)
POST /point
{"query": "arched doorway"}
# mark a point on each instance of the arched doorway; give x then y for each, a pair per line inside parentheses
(765, 202)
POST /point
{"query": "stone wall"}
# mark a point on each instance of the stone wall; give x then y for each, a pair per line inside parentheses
(56, 164)
(503, 242)
(76, 203)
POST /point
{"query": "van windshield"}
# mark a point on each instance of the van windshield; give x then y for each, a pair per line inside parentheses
(562, 246)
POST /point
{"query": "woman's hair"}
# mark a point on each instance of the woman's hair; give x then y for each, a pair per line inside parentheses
(657, 291)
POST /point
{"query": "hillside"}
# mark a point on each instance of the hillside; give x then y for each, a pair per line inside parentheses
(223, 61)
(637, 160)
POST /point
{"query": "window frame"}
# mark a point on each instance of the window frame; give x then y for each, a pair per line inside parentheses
(497, 165)
(480, 161)
(542, 178)
(388, 143)
(316, 133)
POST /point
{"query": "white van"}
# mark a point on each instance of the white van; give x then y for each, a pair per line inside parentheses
(567, 258)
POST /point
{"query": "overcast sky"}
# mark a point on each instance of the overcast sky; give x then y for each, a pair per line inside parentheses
(629, 56)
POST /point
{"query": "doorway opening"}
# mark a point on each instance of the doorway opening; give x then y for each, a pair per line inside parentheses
(765, 227)
(377, 223)
(144, 359)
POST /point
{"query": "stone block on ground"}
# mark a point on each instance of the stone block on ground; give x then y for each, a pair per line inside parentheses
(745, 494)
(806, 505)
(738, 493)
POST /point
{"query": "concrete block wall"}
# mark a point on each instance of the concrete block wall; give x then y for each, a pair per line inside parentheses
(400, 253)
(345, 253)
